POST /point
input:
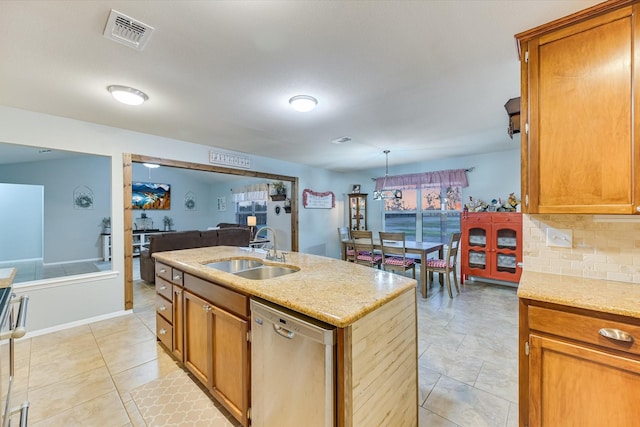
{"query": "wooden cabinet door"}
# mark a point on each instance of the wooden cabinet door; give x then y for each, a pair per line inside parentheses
(474, 256)
(581, 153)
(178, 332)
(570, 384)
(197, 338)
(506, 250)
(231, 363)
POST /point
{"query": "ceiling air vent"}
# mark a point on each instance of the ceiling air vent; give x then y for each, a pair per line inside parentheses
(341, 140)
(127, 31)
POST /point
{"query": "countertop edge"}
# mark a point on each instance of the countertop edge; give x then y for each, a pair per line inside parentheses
(606, 296)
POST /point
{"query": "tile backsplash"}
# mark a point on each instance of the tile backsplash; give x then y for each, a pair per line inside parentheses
(601, 249)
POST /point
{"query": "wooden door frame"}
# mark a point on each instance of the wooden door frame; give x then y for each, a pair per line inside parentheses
(127, 165)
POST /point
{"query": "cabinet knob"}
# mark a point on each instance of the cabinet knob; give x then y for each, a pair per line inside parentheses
(638, 209)
(162, 270)
(206, 308)
(178, 291)
(163, 287)
(177, 277)
(162, 308)
(616, 334)
(162, 331)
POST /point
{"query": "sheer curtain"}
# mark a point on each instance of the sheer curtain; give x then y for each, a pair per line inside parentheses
(444, 178)
(251, 193)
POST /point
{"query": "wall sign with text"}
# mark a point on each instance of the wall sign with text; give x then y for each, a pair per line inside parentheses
(316, 200)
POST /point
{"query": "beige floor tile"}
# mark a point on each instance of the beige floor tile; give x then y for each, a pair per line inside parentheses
(123, 325)
(119, 359)
(452, 364)
(103, 411)
(61, 396)
(134, 414)
(499, 379)
(512, 420)
(42, 351)
(133, 335)
(59, 369)
(427, 418)
(130, 379)
(467, 406)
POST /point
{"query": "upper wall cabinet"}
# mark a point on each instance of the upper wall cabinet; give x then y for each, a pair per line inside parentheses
(581, 112)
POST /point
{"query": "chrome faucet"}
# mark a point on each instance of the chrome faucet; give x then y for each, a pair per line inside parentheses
(269, 256)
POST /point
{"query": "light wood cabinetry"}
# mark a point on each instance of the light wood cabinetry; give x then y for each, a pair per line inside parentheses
(573, 374)
(580, 112)
(169, 309)
(358, 211)
(217, 342)
(491, 245)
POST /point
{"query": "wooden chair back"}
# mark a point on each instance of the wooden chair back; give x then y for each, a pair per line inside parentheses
(363, 245)
(394, 252)
(446, 265)
(344, 235)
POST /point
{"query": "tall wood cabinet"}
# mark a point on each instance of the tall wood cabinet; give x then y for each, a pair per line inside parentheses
(571, 373)
(358, 211)
(580, 108)
(491, 245)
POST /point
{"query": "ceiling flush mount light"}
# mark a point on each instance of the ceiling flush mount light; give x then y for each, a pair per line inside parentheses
(384, 192)
(127, 95)
(303, 103)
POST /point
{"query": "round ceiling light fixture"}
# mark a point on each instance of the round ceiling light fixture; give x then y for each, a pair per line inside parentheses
(127, 95)
(303, 103)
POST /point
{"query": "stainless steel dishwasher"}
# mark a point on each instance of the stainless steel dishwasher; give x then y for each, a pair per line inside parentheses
(292, 369)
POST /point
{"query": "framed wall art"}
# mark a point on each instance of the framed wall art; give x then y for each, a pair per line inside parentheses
(150, 196)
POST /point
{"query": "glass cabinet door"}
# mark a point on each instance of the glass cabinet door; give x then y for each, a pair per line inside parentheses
(477, 242)
(506, 244)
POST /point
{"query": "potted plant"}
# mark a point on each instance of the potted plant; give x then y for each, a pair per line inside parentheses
(278, 191)
(106, 225)
(287, 205)
(168, 223)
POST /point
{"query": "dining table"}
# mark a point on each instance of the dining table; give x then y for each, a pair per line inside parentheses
(414, 248)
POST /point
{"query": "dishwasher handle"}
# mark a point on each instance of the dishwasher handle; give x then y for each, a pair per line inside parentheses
(282, 331)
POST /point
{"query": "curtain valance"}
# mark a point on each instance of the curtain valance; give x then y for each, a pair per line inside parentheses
(251, 193)
(445, 178)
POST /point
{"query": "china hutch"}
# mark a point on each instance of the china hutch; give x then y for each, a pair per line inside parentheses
(491, 245)
(358, 211)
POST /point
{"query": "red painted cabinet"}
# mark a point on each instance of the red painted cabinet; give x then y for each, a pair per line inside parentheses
(491, 245)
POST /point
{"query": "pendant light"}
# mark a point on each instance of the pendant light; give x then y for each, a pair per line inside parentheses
(384, 192)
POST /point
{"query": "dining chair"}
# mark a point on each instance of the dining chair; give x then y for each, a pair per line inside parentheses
(350, 252)
(363, 245)
(394, 252)
(446, 265)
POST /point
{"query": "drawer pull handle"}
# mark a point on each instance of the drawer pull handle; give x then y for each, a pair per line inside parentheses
(163, 288)
(177, 277)
(163, 331)
(616, 334)
(162, 270)
(162, 308)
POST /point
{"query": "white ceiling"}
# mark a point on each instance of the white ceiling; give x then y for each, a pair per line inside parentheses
(425, 79)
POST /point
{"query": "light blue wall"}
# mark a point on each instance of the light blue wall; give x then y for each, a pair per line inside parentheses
(21, 221)
(70, 234)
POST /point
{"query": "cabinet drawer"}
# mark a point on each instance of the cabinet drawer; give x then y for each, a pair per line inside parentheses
(218, 295)
(164, 288)
(163, 270)
(583, 328)
(169, 274)
(164, 308)
(164, 332)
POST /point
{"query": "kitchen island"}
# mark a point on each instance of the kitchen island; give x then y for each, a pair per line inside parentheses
(374, 313)
(579, 345)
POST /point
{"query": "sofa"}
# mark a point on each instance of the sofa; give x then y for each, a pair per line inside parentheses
(172, 241)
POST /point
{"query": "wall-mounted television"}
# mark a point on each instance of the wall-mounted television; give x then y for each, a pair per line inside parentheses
(150, 196)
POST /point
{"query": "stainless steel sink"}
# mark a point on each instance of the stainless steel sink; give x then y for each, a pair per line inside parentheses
(265, 272)
(235, 265)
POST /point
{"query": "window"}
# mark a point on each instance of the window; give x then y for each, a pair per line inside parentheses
(432, 220)
(257, 209)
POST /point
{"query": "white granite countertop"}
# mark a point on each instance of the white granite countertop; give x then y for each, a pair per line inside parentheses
(333, 291)
(593, 294)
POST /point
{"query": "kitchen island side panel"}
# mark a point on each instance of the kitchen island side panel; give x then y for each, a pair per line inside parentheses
(384, 369)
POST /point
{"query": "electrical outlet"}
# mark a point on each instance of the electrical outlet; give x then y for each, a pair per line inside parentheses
(560, 237)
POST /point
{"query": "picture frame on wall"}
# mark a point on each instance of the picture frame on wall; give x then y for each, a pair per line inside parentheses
(355, 188)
